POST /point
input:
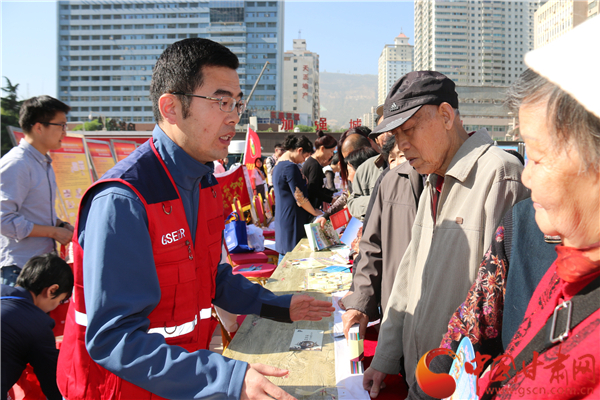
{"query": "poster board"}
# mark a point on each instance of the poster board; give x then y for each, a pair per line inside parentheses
(73, 175)
(16, 134)
(101, 156)
(122, 148)
(235, 183)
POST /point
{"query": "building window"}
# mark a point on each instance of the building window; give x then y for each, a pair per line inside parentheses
(222, 15)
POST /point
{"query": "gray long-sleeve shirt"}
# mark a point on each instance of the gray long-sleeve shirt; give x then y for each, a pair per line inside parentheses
(27, 196)
(385, 239)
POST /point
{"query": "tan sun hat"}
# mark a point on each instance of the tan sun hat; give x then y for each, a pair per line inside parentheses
(572, 62)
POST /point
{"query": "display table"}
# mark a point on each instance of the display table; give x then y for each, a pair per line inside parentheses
(263, 341)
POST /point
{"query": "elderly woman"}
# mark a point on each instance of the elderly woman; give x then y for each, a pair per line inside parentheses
(562, 321)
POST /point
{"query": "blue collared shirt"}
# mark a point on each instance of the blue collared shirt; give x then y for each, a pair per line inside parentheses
(122, 289)
(27, 196)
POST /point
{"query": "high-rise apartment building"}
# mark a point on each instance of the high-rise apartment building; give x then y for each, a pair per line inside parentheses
(301, 81)
(395, 61)
(593, 8)
(370, 119)
(557, 17)
(474, 42)
(107, 49)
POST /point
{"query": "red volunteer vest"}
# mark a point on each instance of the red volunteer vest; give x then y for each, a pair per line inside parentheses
(186, 274)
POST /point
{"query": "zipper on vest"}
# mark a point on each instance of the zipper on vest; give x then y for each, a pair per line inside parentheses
(189, 245)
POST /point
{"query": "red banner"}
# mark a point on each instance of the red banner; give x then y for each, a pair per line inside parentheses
(233, 184)
(252, 149)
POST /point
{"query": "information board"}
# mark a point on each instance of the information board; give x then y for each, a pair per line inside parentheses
(122, 148)
(73, 174)
(101, 156)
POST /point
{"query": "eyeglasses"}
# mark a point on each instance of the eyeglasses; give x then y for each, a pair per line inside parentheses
(63, 126)
(226, 104)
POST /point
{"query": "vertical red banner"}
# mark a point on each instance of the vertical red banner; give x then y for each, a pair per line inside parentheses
(252, 149)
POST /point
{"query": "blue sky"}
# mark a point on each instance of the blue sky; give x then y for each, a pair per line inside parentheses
(347, 35)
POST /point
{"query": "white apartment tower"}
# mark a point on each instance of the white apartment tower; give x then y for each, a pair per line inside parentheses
(557, 17)
(593, 8)
(479, 43)
(301, 81)
(395, 61)
(107, 49)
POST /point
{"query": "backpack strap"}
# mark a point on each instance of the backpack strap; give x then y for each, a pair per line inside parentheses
(567, 316)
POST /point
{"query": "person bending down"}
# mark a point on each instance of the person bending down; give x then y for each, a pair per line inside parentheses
(27, 338)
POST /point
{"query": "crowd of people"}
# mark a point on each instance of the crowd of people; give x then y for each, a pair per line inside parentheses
(459, 239)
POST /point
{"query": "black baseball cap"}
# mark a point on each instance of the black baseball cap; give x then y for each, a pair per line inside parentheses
(410, 93)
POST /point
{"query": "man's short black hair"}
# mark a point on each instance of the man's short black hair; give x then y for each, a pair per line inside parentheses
(358, 157)
(335, 159)
(43, 271)
(40, 109)
(278, 145)
(388, 146)
(179, 69)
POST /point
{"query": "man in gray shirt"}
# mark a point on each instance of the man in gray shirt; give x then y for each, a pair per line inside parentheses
(29, 226)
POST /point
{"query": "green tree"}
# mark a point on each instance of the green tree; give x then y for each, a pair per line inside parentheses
(10, 113)
(94, 125)
(306, 128)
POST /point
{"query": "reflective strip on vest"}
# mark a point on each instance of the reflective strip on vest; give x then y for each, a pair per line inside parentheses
(167, 332)
(80, 318)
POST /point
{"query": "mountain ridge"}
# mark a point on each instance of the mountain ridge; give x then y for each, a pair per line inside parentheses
(346, 96)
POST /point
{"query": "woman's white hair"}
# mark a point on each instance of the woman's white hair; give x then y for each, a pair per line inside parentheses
(571, 123)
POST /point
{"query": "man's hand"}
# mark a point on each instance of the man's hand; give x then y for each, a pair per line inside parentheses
(306, 308)
(62, 235)
(352, 317)
(256, 386)
(373, 381)
(321, 221)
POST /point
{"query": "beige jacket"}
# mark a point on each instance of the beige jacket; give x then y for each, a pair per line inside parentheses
(481, 184)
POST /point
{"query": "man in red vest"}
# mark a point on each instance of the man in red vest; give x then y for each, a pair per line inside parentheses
(148, 252)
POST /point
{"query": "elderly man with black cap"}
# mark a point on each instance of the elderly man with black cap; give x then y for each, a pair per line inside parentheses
(471, 185)
(386, 234)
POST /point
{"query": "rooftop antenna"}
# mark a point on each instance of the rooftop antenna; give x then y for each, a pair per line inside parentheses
(299, 32)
